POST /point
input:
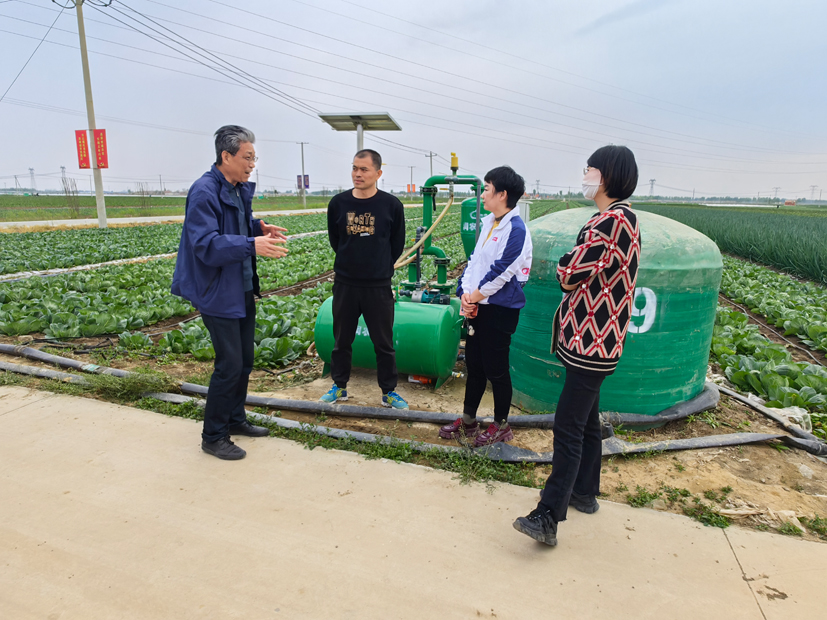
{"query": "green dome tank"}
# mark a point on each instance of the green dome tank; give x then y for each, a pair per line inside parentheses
(665, 358)
(468, 224)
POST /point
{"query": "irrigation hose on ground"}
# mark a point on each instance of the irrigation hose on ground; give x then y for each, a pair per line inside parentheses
(402, 261)
(707, 399)
(501, 452)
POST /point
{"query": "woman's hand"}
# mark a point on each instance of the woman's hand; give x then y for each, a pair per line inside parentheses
(475, 297)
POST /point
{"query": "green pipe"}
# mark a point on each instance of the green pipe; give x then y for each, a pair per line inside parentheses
(428, 200)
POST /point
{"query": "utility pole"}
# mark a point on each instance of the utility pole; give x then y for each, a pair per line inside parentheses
(161, 184)
(651, 187)
(258, 186)
(430, 156)
(90, 114)
(776, 192)
(31, 180)
(693, 194)
(301, 185)
(412, 169)
(812, 191)
(16, 185)
(538, 188)
(63, 172)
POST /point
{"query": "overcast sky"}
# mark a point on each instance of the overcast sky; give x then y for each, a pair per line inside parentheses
(719, 97)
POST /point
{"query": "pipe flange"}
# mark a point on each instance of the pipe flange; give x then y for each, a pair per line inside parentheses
(428, 190)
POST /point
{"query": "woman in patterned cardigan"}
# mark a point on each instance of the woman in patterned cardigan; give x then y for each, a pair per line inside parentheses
(598, 280)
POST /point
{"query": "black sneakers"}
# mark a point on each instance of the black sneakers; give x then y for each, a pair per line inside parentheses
(540, 525)
(223, 449)
(584, 503)
(245, 428)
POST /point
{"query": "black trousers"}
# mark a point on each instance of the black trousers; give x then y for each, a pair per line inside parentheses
(234, 343)
(376, 305)
(578, 444)
(486, 358)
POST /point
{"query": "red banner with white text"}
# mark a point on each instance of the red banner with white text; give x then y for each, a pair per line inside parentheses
(101, 153)
(82, 140)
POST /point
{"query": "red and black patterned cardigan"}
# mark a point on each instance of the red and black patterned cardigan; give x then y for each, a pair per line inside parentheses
(594, 317)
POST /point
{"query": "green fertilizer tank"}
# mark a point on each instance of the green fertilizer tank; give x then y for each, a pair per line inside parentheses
(425, 337)
(665, 358)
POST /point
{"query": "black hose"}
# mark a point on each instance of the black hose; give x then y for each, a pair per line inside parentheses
(784, 423)
(497, 452)
(707, 399)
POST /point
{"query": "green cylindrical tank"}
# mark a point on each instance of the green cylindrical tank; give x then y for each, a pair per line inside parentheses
(665, 358)
(425, 337)
(468, 224)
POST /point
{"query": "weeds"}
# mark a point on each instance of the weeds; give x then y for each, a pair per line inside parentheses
(468, 466)
(674, 495)
(788, 529)
(818, 525)
(706, 515)
(642, 497)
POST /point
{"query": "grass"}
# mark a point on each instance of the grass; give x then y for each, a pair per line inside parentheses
(54, 206)
(791, 242)
(468, 466)
(697, 510)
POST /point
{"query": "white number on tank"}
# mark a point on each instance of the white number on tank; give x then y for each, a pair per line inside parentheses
(647, 311)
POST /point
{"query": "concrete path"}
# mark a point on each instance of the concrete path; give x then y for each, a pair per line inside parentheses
(152, 220)
(111, 512)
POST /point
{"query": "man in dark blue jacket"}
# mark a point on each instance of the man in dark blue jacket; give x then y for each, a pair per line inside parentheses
(216, 272)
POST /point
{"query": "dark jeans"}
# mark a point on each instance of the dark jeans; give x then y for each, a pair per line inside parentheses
(486, 359)
(578, 444)
(376, 305)
(233, 341)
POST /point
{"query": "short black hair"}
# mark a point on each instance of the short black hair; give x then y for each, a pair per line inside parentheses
(618, 168)
(504, 179)
(375, 157)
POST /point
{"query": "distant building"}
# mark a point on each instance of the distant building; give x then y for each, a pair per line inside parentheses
(789, 203)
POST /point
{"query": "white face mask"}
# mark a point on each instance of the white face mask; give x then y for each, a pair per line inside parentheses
(591, 183)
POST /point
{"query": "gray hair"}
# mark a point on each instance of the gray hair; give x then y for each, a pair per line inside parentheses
(229, 138)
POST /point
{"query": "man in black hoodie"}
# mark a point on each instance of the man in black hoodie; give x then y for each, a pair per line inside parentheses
(366, 228)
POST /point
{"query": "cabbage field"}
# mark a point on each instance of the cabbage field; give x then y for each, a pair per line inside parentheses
(133, 300)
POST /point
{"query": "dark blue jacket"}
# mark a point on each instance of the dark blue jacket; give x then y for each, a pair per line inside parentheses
(208, 272)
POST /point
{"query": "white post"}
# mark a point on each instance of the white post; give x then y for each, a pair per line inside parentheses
(360, 137)
(90, 114)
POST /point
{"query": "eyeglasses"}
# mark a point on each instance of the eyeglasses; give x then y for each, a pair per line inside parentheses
(252, 159)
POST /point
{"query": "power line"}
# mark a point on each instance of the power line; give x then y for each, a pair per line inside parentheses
(220, 70)
(511, 112)
(429, 79)
(26, 64)
(488, 47)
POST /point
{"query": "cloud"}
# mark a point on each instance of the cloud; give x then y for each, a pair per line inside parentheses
(628, 11)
